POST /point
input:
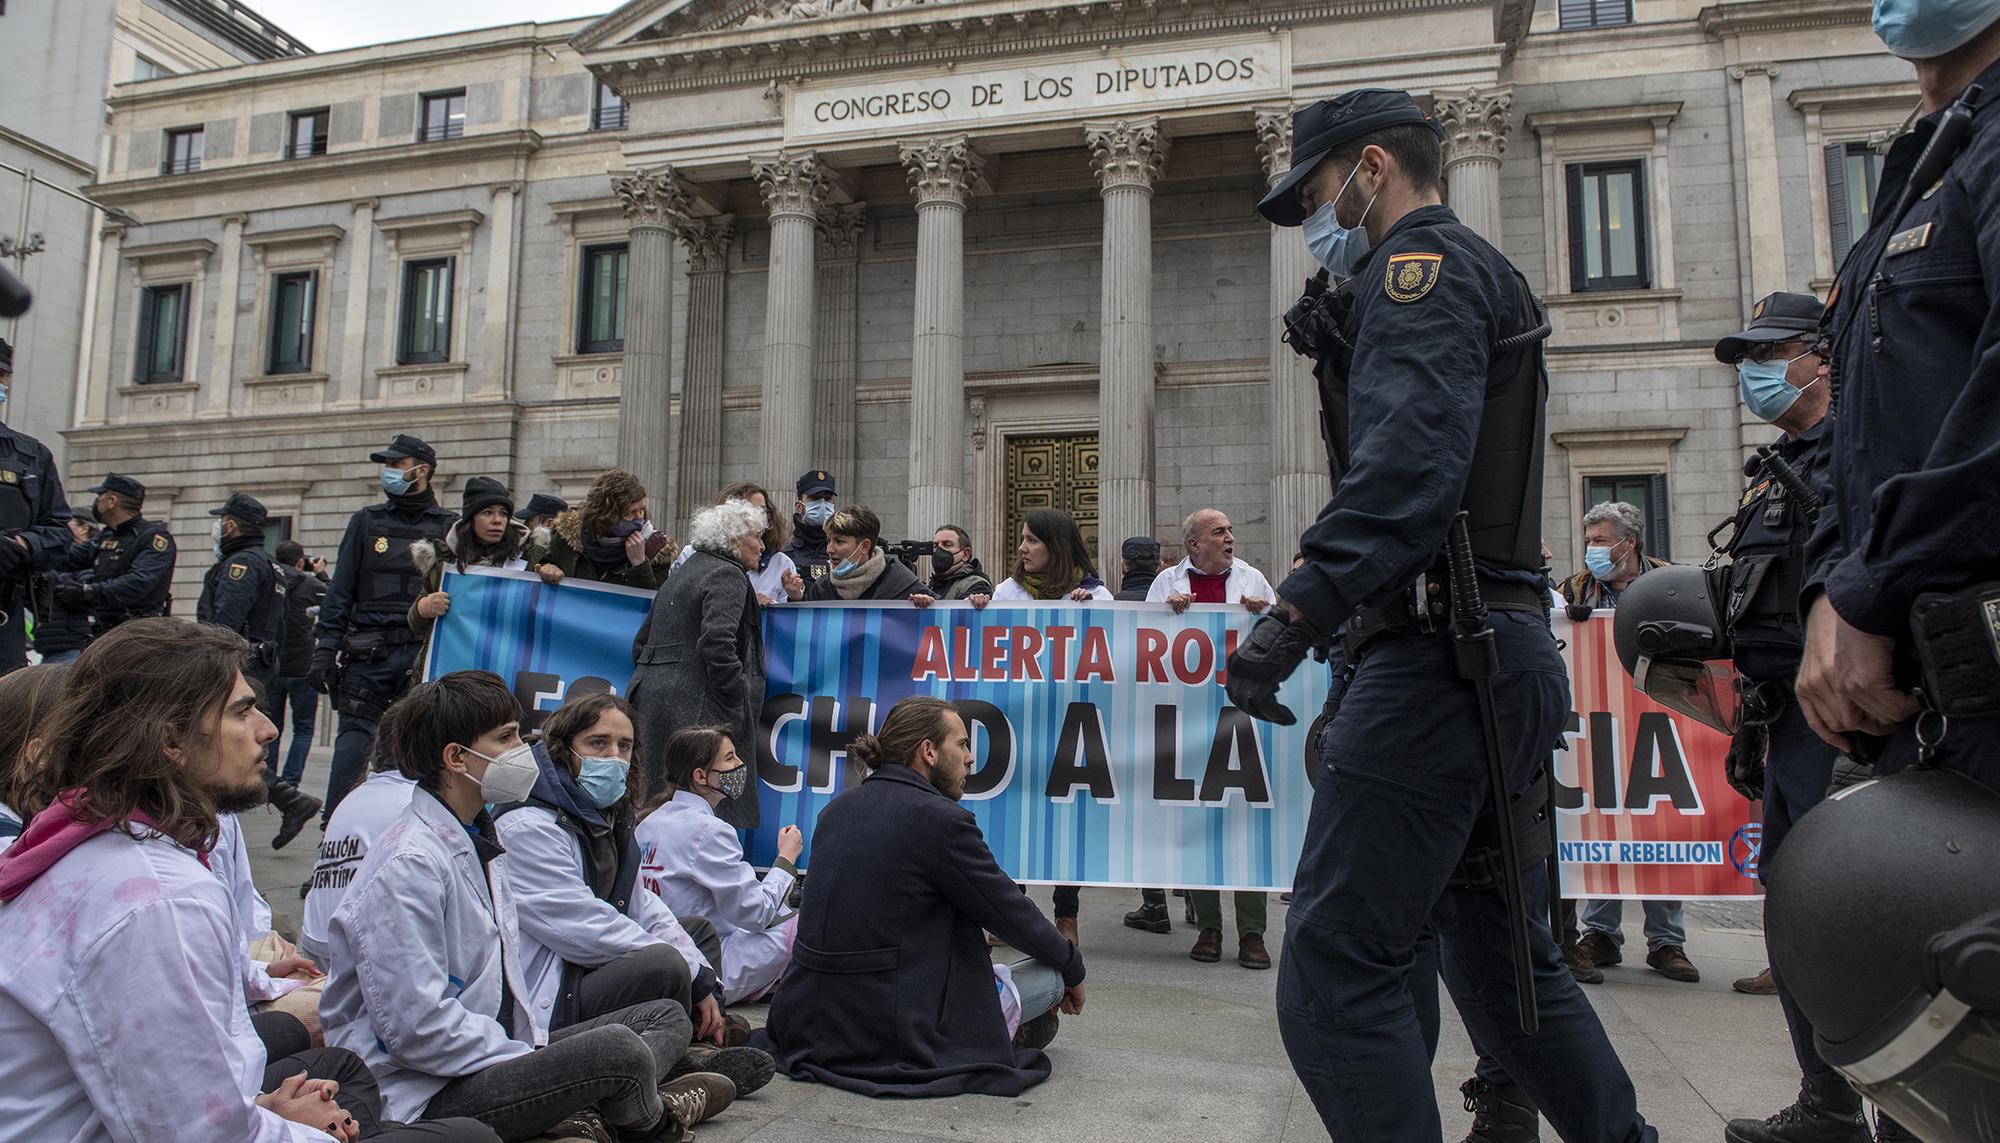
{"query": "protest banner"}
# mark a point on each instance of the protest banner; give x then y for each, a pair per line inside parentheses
(1106, 752)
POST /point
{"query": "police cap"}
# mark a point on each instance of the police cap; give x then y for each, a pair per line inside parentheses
(1778, 317)
(814, 483)
(543, 504)
(244, 508)
(1318, 129)
(406, 445)
(121, 484)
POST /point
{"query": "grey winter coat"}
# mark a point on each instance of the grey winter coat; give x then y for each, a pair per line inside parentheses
(700, 662)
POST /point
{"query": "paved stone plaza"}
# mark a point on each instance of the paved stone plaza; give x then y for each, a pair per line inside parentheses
(1169, 1050)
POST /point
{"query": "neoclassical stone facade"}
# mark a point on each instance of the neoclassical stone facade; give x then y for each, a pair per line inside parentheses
(972, 256)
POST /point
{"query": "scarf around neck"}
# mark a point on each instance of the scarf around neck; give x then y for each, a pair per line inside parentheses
(851, 585)
(1040, 588)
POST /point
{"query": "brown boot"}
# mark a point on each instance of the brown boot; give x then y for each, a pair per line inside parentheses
(1758, 985)
(1600, 948)
(1067, 927)
(1671, 961)
(1250, 951)
(1576, 958)
(1207, 947)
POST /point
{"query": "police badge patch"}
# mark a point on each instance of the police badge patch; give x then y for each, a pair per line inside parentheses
(381, 544)
(1410, 276)
(9, 476)
(159, 542)
(236, 571)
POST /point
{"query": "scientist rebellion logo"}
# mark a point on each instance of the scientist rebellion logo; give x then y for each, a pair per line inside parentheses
(1745, 847)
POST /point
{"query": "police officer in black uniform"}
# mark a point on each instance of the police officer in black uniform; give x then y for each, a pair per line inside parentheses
(131, 572)
(34, 524)
(244, 592)
(1432, 390)
(1782, 374)
(363, 645)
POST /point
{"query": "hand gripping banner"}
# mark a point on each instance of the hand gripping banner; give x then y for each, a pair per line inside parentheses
(1105, 751)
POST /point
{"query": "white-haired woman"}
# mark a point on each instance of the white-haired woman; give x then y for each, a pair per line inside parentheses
(699, 657)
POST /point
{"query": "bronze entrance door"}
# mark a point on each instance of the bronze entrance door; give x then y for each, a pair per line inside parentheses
(1055, 470)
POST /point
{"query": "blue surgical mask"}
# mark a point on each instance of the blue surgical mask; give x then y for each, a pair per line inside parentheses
(3, 392)
(1926, 29)
(394, 482)
(1598, 560)
(1333, 245)
(818, 512)
(846, 568)
(732, 783)
(602, 780)
(1766, 392)
(215, 534)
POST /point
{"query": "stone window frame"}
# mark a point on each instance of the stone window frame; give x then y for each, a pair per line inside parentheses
(1852, 113)
(585, 223)
(1612, 452)
(166, 264)
(418, 237)
(288, 251)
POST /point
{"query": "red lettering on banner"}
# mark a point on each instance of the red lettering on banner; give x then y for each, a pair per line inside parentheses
(962, 668)
(992, 644)
(1059, 652)
(1193, 673)
(1095, 661)
(1228, 649)
(1024, 643)
(932, 660)
(1152, 648)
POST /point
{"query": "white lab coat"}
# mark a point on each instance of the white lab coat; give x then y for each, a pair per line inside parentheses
(230, 862)
(562, 920)
(121, 1003)
(1012, 592)
(768, 581)
(360, 818)
(692, 859)
(419, 947)
(1243, 580)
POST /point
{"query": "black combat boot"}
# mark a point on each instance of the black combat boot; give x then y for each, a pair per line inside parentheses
(1827, 1111)
(1151, 915)
(1500, 1114)
(298, 808)
(1888, 1130)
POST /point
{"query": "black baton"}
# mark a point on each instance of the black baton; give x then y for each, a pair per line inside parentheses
(1478, 662)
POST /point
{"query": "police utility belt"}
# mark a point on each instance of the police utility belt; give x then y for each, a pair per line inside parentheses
(1433, 615)
(1957, 640)
(374, 644)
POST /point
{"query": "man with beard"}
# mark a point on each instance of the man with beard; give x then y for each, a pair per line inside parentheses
(903, 890)
(955, 571)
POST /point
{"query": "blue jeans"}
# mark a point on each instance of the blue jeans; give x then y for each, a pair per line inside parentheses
(1040, 986)
(1403, 781)
(1666, 921)
(304, 701)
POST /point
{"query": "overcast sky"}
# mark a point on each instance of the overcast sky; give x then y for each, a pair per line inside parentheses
(350, 23)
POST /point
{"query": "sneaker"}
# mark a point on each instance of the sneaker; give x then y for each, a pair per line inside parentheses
(1250, 951)
(747, 1068)
(1500, 1114)
(1149, 919)
(1802, 1122)
(1207, 947)
(1671, 961)
(583, 1127)
(1576, 958)
(1600, 948)
(696, 1097)
(1758, 985)
(1037, 1033)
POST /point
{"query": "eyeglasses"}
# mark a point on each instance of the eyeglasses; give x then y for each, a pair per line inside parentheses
(1764, 351)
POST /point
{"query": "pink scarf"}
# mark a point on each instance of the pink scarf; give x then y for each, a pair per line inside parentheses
(54, 832)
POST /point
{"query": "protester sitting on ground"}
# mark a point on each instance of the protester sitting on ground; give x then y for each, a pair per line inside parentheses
(693, 860)
(428, 984)
(121, 1002)
(955, 571)
(595, 940)
(890, 991)
(861, 569)
(486, 535)
(608, 540)
(360, 818)
(26, 697)
(280, 970)
(775, 578)
(700, 653)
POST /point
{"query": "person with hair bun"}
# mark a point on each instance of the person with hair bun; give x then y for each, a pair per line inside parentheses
(890, 991)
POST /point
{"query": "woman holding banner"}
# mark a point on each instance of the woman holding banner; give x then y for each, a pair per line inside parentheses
(486, 535)
(699, 655)
(608, 540)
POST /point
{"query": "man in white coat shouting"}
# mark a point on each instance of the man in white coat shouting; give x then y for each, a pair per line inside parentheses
(121, 987)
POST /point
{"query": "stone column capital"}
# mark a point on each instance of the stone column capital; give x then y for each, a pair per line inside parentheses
(942, 170)
(112, 232)
(654, 198)
(792, 183)
(367, 204)
(238, 220)
(1741, 72)
(839, 229)
(513, 188)
(707, 241)
(1274, 141)
(1475, 124)
(1126, 152)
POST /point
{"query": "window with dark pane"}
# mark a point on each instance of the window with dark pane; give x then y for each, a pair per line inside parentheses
(607, 111)
(444, 116)
(277, 529)
(308, 135)
(1853, 172)
(1593, 13)
(183, 152)
(162, 348)
(425, 335)
(601, 324)
(1648, 493)
(1607, 226)
(292, 298)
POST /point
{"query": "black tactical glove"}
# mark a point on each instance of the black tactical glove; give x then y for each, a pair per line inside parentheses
(1745, 762)
(1276, 646)
(70, 593)
(13, 557)
(324, 674)
(1848, 772)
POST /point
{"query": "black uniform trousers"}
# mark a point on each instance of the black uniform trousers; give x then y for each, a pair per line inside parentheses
(1796, 774)
(384, 680)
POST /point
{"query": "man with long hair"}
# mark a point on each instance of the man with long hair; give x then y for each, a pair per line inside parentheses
(118, 946)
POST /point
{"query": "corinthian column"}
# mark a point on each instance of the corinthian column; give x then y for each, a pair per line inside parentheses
(1299, 485)
(700, 475)
(654, 200)
(794, 186)
(836, 338)
(1475, 134)
(942, 172)
(1127, 155)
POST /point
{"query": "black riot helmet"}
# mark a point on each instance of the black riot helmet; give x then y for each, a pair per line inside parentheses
(1883, 923)
(1671, 636)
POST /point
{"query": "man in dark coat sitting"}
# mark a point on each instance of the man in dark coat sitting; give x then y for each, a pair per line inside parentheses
(890, 991)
